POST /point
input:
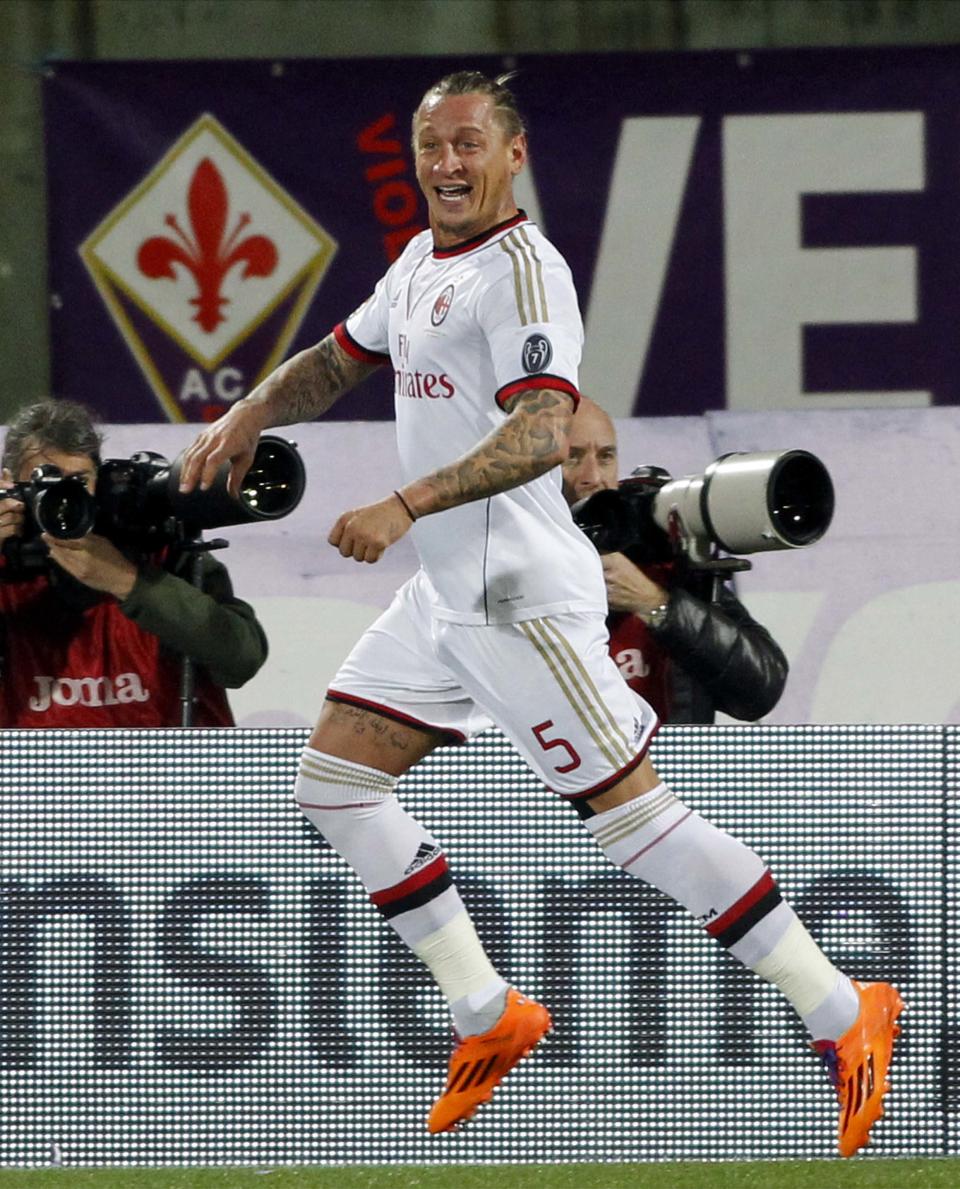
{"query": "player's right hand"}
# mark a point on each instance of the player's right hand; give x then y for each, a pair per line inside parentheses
(232, 439)
(12, 514)
(365, 533)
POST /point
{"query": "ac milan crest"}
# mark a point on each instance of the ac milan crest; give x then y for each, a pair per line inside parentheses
(441, 307)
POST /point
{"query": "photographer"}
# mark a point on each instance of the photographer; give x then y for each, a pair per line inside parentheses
(687, 649)
(94, 637)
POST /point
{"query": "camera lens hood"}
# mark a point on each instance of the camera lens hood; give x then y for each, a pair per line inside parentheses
(271, 489)
(752, 502)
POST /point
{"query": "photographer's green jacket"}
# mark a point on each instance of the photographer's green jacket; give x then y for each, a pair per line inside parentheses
(206, 623)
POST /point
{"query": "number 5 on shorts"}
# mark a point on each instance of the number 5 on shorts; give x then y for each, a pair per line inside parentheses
(540, 729)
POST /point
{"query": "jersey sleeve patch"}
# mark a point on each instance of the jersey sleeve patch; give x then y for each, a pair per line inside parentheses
(356, 350)
(543, 380)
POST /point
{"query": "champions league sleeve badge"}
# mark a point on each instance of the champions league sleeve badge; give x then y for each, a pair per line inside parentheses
(536, 354)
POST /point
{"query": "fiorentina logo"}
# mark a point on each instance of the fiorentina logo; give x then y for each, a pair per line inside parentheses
(207, 267)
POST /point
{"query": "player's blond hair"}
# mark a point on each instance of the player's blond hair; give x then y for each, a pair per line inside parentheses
(472, 82)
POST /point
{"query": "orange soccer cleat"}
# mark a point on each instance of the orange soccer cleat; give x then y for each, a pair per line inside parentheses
(480, 1063)
(859, 1061)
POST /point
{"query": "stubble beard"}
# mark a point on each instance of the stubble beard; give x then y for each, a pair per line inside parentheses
(462, 229)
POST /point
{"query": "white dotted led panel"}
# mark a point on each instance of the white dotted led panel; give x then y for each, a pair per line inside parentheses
(949, 1055)
(190, 976)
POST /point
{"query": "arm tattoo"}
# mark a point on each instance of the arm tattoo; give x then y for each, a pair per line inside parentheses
(309, 383)
(532, 441)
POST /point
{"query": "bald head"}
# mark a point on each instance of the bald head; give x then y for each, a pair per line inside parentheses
(592, 462)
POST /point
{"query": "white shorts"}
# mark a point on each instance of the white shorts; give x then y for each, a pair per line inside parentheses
(548, 684)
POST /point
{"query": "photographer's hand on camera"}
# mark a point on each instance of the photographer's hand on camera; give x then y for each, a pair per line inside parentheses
(94, 561)
(11, 517)
(629, 588)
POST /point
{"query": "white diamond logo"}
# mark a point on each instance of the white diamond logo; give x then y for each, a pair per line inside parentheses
(207, 246)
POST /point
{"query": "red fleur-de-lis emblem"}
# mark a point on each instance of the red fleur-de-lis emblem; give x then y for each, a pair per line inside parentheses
(211, 253)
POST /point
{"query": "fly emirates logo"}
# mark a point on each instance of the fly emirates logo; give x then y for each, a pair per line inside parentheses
(87, 691)
(419, 385)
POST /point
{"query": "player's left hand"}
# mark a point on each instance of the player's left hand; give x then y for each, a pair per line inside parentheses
(94, 561)
(365, 533)
(628, 587)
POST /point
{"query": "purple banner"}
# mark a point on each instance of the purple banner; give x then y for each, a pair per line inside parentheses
(772, 230)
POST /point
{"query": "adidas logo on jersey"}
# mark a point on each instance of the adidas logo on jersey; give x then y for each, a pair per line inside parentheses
(426, 853)
(87, 691)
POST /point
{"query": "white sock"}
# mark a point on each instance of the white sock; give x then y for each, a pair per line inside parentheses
(405, 872)
(729, 890)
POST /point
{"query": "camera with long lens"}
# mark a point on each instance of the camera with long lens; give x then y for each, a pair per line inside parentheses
(138, 504)
(742, 503)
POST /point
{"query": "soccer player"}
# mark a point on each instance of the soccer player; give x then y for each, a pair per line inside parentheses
(504, 621)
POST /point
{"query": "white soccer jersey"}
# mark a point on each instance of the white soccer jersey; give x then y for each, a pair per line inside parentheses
(465, 328)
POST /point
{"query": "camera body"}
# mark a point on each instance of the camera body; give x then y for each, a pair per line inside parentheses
(138, 504)
(54, 503)
(742, 503)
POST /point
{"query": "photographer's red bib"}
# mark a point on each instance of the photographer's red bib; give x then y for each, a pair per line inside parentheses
(89, 668)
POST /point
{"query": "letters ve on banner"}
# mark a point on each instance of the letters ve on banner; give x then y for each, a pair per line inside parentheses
(771, 230)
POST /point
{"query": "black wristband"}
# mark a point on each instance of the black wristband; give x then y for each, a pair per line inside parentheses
(406, 507)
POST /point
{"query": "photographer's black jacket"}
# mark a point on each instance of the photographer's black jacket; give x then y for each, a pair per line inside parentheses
(721, 658)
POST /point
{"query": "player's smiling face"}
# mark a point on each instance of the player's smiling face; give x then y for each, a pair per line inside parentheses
(466, 164)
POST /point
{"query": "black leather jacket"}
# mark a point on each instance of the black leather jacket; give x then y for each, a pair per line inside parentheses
(722, 658)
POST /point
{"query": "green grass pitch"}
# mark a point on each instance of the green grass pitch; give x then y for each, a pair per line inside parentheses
(814, 1174)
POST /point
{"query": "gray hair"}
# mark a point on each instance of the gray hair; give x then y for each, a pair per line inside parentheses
(62, 425)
